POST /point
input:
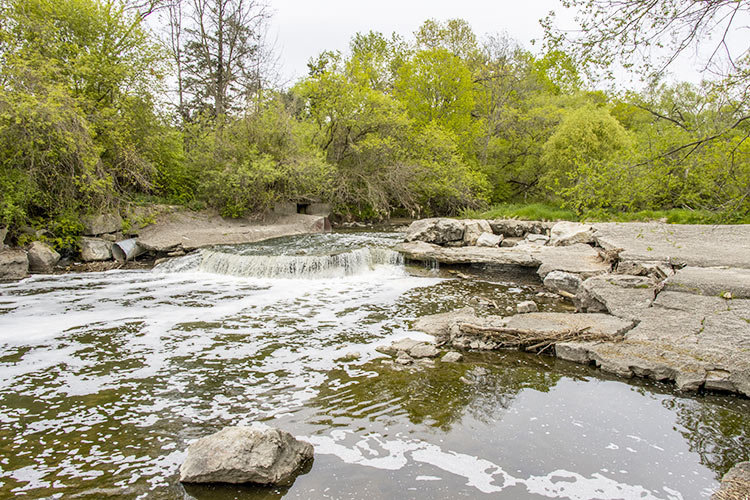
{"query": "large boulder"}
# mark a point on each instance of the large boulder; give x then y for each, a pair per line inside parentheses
(42, 257)
(14, 264)
(93, 249)
(95, 225)
(568, 233)
(245, 455)
(438, 231)
(735, 484)
(473, 229)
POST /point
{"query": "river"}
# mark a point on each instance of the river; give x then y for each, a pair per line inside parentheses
(105, 378)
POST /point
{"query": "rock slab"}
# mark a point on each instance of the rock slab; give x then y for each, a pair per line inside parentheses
(245, 455)
(95, 249)
(100, 224)
(437, 231)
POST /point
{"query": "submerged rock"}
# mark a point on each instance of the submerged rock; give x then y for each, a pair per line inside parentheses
(245, 455)
(452, 357)
(438, 231)
(526, 307)
(42, 257)
(14, 264)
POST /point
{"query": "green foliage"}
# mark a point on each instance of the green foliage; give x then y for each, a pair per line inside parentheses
(532, 211)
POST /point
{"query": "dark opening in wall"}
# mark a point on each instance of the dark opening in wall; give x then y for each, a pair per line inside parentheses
(302, 208)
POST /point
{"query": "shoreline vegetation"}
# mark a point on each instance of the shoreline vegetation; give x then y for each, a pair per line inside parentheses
(104, 105)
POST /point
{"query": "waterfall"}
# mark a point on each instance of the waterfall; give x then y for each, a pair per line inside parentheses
(336, 265)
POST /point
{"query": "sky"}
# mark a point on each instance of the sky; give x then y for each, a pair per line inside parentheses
(302, 29)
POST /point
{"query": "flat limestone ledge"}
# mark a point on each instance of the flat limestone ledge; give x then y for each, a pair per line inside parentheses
(692, 245)
(580, 258)
(191, 230)
(695, 341)
(716, 281)
(464, 329)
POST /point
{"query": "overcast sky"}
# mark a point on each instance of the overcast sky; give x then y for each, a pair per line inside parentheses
(304, 28)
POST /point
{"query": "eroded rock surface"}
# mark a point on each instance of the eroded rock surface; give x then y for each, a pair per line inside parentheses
(245, 455)
(735, 485)
(95, 249)
(716, 281)
(437, 231)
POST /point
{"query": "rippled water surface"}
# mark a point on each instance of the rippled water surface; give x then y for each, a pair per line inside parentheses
(105, 378)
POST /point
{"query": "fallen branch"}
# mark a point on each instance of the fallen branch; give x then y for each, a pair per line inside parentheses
(533, 341)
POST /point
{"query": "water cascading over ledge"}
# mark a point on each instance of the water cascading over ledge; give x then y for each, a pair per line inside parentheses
(347, 263)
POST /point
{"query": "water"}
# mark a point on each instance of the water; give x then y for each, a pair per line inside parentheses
(107, 377)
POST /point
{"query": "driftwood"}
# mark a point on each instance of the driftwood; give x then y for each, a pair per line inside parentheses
(531, 340)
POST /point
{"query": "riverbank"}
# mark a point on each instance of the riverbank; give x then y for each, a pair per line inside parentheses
(158, 232)
(680, 295)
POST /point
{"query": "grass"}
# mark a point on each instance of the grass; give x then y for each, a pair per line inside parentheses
(542, 211)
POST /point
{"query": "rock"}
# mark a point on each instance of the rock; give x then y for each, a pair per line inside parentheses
(404, 359)
(657, 270)
(438, 231)
(693, 245)
(426, 252)
(452, 357)
(510, 241)
(401, 345)
(716, 281)
(95, 225)
(182, 229)
(95, 249)
(489, 240)
(438, 325)
(619, 294)
(42, 257)
(567, 233)
(3, 234)
(245, 455)
(527, 306)
(562, 283)
(423, 350)
(473, 229)
(579, 259)
(14, 264)
(518, 228)
(735, 485)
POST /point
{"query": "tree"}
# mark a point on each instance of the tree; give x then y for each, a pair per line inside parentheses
(649, 35)
(223, 49)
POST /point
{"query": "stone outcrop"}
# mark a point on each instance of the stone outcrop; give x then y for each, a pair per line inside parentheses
(463, 329)
(245, 455)
(95, 225)
(42, 258)
(681, 244)
(437, 231)
(568, 233)
(735, 485)
(95, 249)
(3, 234)
(14, 264)
(519, 228)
